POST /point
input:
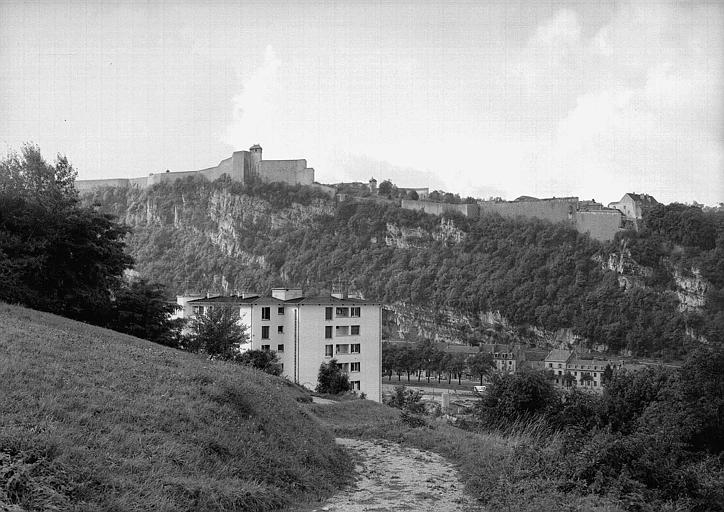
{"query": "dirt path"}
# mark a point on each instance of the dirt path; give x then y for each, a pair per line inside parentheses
(390, 477)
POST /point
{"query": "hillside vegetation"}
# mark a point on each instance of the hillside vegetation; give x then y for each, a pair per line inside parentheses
(97, 420)
(218, 236)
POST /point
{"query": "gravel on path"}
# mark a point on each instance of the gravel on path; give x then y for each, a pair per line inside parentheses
(392, 477)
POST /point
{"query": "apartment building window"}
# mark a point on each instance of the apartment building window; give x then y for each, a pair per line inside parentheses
(265, 332)
(342, 349)
(354, 348)
(280, 310)
(342, 312)
(355, 312)
(328, 313)
(355, 385)
(265, 313)
(280, 348)
(328, 332)
(354, 367)
(344, 367)
(280, 329)
(265, 348)
(198, 310)
(354, 330)
(341, 330)
(328, 350)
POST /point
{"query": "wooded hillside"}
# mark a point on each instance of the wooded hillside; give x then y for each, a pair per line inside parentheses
(217, 236)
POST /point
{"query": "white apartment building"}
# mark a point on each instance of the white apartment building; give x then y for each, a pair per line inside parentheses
(307, 331)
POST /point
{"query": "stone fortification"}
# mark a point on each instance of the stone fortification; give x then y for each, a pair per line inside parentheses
(241, 166)
(433, 208)
(599, 224)
(584, 216)
(560, 209)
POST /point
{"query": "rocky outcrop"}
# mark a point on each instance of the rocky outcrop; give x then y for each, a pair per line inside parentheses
(691, 290)
(406, 321)
(630, 273)
(411, 238)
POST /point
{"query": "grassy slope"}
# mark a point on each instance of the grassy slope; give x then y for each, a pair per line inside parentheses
(91, 419)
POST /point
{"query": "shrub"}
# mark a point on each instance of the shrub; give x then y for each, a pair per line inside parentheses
(516, 397)
(331, 379)
(406, 399)
(264, 360)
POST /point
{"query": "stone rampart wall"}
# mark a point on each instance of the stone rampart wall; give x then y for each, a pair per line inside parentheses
(433, 208)
(287, 171)
(552, 210)
(86, 185)
(169, 177)
(600, 225)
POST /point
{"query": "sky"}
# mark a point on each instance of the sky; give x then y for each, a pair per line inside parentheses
(482, 98)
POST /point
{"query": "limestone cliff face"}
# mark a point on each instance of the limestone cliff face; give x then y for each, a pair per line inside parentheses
(630, 273)
(406, 238)
(230, 215)
(452, 326)
(691, 289)
(231, 223)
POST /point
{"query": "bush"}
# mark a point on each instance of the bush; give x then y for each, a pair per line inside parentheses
(332, 379)
(406, 399)
(264, 360)
(517, 397)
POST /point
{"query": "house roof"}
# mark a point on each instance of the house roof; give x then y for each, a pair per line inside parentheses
(535, 355)
(644, 199)
(268, 301)
(558, 355)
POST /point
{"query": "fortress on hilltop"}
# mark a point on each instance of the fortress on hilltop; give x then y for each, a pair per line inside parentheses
(240, 166)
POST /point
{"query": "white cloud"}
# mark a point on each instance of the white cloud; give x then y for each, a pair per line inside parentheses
(255, 111)
(645, 102)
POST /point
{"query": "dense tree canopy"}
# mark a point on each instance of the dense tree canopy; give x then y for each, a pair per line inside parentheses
(55, 254)
(217, 333)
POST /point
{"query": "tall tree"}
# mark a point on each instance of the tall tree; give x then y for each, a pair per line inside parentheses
(140, 309)
(55, 254)
(217, 333)
(332, 379)
(481, 365)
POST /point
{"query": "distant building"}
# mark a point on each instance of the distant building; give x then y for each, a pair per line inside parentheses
(569, 370)
(241, 166)
(633, 206)
(307, 331)
(507, 358)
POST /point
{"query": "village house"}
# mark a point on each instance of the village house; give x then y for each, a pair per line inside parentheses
(507, 358)
(570, 370)
(308, 331)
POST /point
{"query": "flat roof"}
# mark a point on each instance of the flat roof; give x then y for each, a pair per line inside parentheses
(268, 300)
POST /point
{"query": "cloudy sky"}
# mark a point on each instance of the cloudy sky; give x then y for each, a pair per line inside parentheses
(483, 98)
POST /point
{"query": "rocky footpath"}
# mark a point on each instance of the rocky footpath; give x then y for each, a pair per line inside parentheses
(392, 477)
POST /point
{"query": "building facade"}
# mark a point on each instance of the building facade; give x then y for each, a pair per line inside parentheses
(569, 370)
(308, 331)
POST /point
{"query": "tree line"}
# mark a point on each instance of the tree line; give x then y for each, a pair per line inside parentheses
(425, 359)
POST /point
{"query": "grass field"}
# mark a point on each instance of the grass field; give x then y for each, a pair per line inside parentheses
(91, 419)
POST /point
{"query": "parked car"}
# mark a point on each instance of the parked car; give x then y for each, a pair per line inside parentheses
(480, 390)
